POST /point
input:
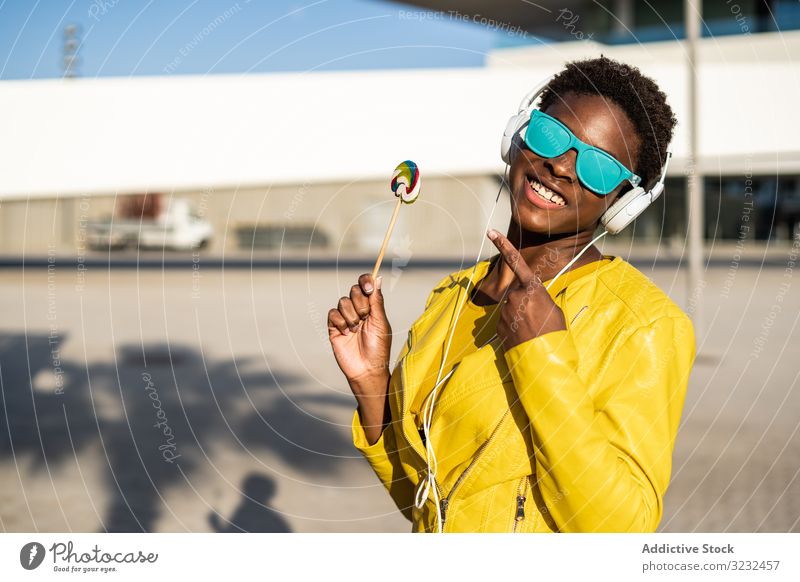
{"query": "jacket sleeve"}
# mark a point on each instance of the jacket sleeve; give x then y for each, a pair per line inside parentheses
(384, 460)
(604, 453)
(382, 455)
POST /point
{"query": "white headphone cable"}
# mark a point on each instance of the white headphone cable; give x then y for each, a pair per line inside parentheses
(428, 483)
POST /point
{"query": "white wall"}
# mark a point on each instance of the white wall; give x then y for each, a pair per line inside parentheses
(101, 136)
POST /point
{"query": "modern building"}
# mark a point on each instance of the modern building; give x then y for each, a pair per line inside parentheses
(292, 164)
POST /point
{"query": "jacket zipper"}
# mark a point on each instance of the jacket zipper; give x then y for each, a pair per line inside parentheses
(445, 501)
(443, 507)
(522, 490)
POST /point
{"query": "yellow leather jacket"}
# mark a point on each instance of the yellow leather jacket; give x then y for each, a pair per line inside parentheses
(571, 431)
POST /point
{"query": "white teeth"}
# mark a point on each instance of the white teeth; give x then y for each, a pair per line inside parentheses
(545, 192)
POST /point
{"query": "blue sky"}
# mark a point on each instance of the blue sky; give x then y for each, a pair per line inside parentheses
(148, 37)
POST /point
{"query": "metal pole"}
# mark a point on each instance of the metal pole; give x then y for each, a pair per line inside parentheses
(623, 24)
(70, 58)
(694, 177)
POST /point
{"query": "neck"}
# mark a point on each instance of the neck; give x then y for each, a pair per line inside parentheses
(545, 255)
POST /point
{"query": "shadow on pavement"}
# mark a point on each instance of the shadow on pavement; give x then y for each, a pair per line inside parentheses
(157, 412)
(254, 514)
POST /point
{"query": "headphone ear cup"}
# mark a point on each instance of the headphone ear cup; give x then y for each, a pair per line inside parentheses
(625, 209)
(510, 135)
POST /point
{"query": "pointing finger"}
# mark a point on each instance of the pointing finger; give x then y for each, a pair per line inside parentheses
(511, 256)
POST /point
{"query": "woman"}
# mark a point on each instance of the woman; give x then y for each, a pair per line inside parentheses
(566, 420)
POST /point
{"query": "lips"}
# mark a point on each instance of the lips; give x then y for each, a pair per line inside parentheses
(542, 196)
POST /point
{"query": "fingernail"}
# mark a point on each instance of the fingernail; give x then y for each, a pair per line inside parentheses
(368, 287)
(492, 234)
(378, 281)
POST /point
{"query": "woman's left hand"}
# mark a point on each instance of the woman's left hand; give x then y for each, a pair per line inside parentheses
(528, 310)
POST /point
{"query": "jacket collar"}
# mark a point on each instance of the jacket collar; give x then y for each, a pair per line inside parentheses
(429, 333)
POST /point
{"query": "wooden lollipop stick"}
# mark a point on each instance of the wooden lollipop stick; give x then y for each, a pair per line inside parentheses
(406, 186)
(386, 238)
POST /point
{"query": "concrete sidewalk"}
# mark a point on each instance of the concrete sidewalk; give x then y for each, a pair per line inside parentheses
(208, 400)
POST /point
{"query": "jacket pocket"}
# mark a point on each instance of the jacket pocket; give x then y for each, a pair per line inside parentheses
(522, 493)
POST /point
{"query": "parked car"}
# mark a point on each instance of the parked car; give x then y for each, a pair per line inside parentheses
(146, 225)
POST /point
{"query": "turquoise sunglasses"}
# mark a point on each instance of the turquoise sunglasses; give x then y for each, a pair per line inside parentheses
(597, 170)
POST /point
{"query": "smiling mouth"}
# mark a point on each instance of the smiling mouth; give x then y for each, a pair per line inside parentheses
(544, 193)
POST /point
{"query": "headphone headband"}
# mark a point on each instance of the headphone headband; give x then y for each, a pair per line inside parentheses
(517, 122)
(527, 102)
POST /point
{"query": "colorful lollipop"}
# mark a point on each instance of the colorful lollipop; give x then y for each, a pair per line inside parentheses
(406, 185)
(405, 181)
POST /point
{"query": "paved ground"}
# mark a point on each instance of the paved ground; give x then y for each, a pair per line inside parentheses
(202, 400)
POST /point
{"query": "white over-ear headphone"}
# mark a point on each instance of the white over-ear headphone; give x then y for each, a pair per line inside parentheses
(624, 210)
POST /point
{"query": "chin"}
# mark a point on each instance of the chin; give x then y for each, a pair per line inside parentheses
(534, 220)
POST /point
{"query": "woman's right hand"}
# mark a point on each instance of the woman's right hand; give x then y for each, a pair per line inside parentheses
(361, 336)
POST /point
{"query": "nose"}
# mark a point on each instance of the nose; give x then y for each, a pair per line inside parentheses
(563, 166)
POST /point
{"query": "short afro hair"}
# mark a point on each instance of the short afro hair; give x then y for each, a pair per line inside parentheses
(638, 96)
